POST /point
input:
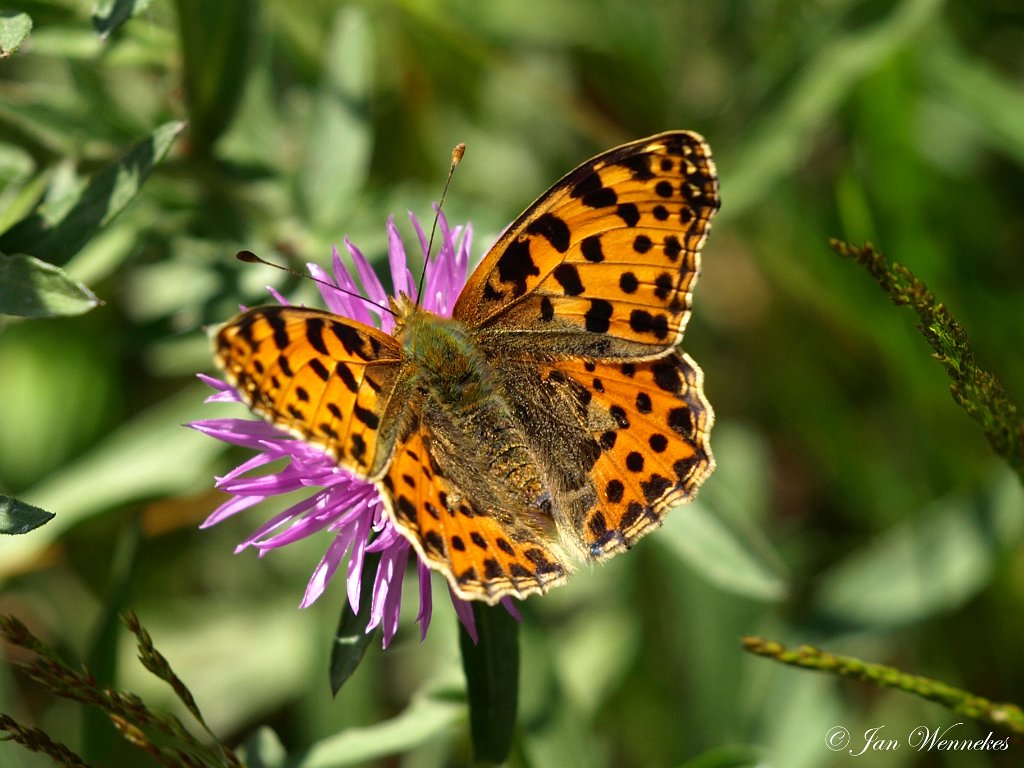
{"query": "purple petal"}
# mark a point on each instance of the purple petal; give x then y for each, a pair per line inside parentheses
(391, 608)
(464, 610)
(278, 297)
(355, 562)
(509, 605)
(326, 568)
(372, 287)
(401, 277)
(230, 507)
(426, 599)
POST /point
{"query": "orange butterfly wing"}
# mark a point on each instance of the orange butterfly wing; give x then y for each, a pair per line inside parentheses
(324, 378)
(604, 262)
(654, 449)
(593, 283)
(481, 556)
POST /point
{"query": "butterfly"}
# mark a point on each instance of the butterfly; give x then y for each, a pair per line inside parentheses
(551, 420)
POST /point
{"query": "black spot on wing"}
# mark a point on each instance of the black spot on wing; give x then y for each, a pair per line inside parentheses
(614, 491)
(286, 368)
(598, 317)
(629, 213)
(358, 449)
(642, 244)
(553, 229)
(319, 369)
(663, 285)
(315, 334)
(639, 166)
(666, 376)
(591, 249)
(277, 325)
(343, 372)
(642, 321)
(569, 278)
(351, 340)
(592, 193)
(515, 265)
(365, 415)
(547, 309)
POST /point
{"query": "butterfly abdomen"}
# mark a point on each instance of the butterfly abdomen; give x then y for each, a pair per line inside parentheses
(476, 437)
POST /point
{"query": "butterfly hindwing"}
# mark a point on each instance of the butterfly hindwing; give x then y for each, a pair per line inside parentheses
(324, 378)
(483, 553)
(651, 421)
(604, 262)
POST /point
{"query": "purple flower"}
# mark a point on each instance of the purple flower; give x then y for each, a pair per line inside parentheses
(348, 508)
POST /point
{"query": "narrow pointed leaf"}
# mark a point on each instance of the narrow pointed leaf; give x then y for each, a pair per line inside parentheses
(217, 41)
(59, 228)
(108, 15)
(32, 288)
(492, 681)
(18, 517)
(351, 638)
(98, 740)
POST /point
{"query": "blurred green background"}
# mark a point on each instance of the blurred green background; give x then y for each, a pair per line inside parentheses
(855, 506)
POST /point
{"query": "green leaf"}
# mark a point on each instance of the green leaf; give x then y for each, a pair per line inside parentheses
(60, 227)
(32, 288)
(717, 553)
(263, 749)
(21, 188)
(492, 681)
(18, 517)
(783, 137)
(217, 42)
(431, 713)
(351, 638)
(14, 28)
(129, 465)
(337, 156)
(108, 15)
(979, 92)
(739, 756)
(931, 564)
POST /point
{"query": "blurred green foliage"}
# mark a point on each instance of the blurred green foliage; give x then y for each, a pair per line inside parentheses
(855, 507)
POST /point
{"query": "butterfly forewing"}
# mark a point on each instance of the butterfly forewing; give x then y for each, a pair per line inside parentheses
(602, 264)
(325, 379)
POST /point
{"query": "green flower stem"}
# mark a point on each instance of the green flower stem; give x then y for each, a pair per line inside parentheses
(974, 389)
(1007, 716)
(492, 682)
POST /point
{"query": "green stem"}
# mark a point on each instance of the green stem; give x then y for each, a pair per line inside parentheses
(492, 681)
(974, 389)
(1006, 716)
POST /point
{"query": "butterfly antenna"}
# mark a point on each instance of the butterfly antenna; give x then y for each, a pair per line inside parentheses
(457, 153)
(251, 258)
